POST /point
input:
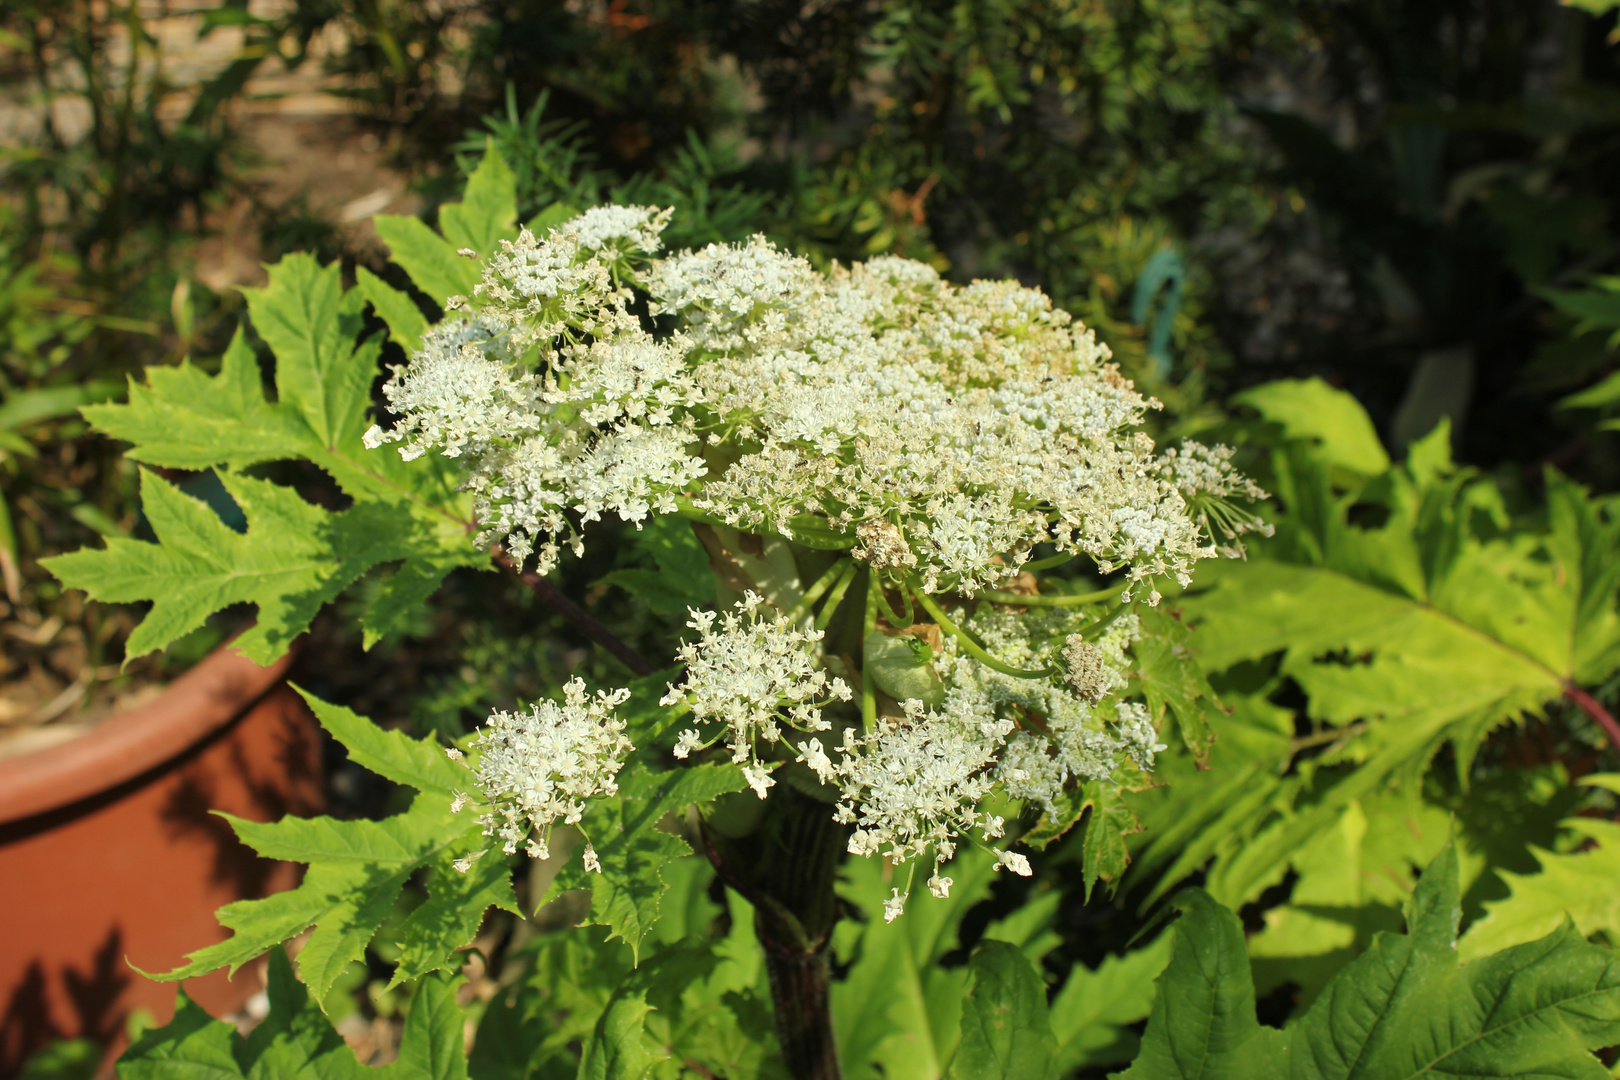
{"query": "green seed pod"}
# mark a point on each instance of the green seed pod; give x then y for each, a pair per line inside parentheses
(735, 815)
(903, 668)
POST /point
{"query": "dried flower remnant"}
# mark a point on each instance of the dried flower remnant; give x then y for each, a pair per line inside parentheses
(1085, 670)
(883, 547)
(542, 766)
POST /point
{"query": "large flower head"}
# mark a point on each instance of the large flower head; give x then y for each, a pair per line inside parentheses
(943, 429)
(931, 434)
(915, 784)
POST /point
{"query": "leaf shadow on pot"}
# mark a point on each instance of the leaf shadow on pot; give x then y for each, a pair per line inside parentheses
(274, 785)
(93, 995)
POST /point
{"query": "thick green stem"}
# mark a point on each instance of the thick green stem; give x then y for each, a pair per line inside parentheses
(799, 992)
(1051, 601)
(1109, 618)
(1047, 563)
(814, 592)
(836, 597)
(971, 647)
(869, 624)
(896, 620)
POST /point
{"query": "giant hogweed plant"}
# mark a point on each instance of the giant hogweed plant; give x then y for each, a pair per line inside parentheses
(870, 457)
(877, 465)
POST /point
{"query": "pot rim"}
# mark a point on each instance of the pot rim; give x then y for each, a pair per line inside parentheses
(129, 743)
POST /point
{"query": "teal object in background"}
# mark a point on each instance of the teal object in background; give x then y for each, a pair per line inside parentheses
(1165, 273)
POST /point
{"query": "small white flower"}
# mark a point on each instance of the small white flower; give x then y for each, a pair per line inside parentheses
(894, 906)
(689, 741)
(751, 674)
(453, 754)
(1012, 861)
(914, 784)
(759, 778)
(939, 886)
(1140, 738)
(619, 228)
(815, 757)
(460, 800)
(592, 863)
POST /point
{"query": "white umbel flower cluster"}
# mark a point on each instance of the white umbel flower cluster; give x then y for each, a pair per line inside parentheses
(937, 429)
(915, 784)
(543, 766)
(751, 674)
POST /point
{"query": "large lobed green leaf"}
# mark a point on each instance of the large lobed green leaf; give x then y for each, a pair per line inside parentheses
(294, 556)
(1203, 1026)
(1006, 1031)
(633, 845)
(694, 1005)
(679, 576)
(478, 223)
(357, 869)
(899, 1011)
(1311, 410)
(1169, 677)
(293, 559)
(1577, 886)
(1412, 611)
(618, 1047)
(296, 1042)
(1104, 851)
(1094, 1016)
(1403, 1009)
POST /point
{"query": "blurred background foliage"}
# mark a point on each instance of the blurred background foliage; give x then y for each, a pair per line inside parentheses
(1413, 200)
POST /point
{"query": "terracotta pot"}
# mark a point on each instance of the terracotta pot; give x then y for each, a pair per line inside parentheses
(108, 851)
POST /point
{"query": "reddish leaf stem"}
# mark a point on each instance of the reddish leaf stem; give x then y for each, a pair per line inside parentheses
(576, 615)
(1594, 708)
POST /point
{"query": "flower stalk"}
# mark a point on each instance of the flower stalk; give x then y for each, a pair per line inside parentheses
(973, 648)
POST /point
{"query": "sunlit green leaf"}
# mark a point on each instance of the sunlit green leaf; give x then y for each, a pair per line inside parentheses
(357, 869)
(1006, 1033)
